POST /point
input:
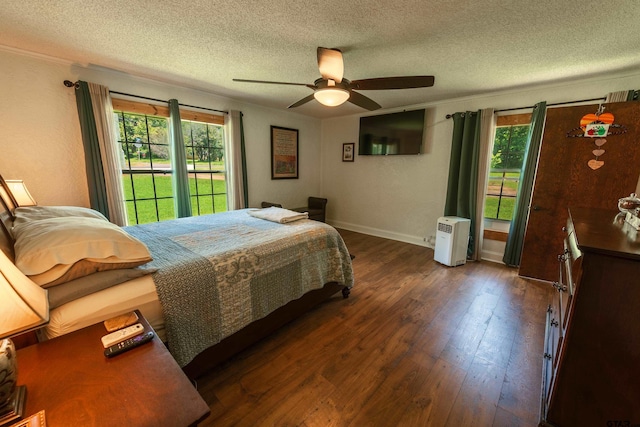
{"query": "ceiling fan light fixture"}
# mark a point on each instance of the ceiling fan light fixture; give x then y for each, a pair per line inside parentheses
(331, 96)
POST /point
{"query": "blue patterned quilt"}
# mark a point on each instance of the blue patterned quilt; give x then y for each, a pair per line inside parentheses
(218, 273)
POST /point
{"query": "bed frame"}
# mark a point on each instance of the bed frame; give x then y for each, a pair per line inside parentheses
(256, 331)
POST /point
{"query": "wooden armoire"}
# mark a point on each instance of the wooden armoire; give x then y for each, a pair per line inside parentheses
(564, 178)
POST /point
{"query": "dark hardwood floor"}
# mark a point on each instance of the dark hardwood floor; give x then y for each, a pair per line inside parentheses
(416, 344)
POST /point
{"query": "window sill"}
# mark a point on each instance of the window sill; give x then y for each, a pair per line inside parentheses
(500, 236)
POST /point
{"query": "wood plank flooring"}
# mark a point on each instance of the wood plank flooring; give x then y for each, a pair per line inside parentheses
(416, 344)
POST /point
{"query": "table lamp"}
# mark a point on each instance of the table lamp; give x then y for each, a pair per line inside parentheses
(24, 306)
(21, 195)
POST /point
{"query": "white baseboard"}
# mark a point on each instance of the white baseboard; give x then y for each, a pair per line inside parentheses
(414, 240)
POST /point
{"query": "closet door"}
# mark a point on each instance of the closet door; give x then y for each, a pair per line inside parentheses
(568, 175)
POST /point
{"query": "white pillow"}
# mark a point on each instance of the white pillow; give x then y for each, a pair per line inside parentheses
(34, 213)
(55, 250)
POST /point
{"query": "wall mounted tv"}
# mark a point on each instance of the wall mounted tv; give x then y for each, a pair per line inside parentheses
(389, 134)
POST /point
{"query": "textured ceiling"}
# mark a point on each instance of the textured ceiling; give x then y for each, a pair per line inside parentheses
(470, 46)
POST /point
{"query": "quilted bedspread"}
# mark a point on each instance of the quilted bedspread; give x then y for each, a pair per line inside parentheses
(218, 273)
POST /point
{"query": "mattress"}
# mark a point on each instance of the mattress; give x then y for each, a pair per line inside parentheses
(139, 293)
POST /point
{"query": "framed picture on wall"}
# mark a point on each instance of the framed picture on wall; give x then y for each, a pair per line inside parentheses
(347, 151)
(284, 153)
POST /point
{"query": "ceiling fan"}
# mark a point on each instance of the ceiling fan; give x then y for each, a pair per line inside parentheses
(332, 89)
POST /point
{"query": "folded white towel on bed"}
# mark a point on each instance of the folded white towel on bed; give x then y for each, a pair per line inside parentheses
(279, 215)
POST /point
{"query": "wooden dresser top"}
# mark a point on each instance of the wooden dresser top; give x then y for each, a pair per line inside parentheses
(600, 231)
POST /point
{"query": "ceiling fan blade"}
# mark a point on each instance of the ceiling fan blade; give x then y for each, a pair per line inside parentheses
(302, 101)
(275, 83)
(406, 82)
(363, 101)
(330, 64)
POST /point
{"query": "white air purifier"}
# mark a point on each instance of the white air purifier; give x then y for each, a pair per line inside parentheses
(452, 239)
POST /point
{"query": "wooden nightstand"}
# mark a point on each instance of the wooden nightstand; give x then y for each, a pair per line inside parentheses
(74, 383)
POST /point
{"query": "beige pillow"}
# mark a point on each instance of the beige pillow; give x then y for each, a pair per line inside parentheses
(55, 250)
(34, 213)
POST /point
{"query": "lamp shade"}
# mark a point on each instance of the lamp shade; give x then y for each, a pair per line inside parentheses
(20, 193)
(331, 96)
(23, 304)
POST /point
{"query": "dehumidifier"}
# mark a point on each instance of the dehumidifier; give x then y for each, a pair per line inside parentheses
(452, 239)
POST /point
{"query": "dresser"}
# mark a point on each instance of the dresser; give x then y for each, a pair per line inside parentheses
(591, 363)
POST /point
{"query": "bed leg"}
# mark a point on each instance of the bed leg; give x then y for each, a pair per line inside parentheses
(345, 292)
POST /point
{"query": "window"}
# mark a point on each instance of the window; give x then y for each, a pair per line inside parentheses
(146, 168)
(147, 164)
(204, 143)
(506, 164)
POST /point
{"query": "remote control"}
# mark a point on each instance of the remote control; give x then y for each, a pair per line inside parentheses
(128, 344)
(121, 335)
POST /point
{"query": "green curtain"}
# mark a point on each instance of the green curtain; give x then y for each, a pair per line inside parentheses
(245, 187)
(513, 249)
(180, 176)
(93, 159)
(463, 169)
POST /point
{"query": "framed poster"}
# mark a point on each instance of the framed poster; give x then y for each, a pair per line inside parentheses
(284, 153)
(347, 151)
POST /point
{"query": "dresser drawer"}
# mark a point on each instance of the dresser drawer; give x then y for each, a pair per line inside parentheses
(551, 345)
(555, 333)
(570, 270)
(547, 368)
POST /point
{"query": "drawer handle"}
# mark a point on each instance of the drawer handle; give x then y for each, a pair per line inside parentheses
(560, 287)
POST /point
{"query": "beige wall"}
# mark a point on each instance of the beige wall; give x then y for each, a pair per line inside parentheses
(395, 197)
(402, 197)
(40, 136)
(41, 142)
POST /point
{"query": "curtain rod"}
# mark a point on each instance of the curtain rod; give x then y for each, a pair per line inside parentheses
(448, 116)
(69, 83)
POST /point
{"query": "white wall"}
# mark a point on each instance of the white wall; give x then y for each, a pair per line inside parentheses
(41, 142)
(401, 197)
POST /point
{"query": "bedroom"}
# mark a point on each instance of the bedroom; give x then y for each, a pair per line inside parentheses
(361, 198)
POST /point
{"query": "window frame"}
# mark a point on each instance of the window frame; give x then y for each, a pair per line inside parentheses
(505, 120)
(126, 106)
(198, 197)
(130, 173)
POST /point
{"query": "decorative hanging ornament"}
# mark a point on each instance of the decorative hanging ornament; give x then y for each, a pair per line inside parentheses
(596, 163)
(597, 126)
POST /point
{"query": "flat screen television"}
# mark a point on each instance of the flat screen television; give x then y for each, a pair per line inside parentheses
(390, 134)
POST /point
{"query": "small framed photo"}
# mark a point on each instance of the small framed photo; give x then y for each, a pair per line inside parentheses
(347, 151)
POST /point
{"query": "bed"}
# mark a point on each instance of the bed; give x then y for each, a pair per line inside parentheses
(211, 286)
